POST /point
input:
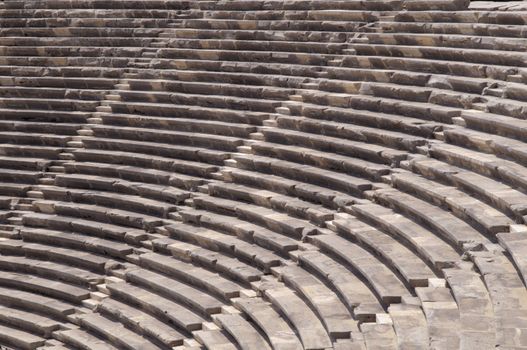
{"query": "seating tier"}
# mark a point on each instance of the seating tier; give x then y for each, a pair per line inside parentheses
(262, 174)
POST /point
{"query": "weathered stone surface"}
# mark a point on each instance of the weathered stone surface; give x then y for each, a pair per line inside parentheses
(257, 174)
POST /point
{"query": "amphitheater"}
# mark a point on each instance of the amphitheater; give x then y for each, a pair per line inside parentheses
(263, 174)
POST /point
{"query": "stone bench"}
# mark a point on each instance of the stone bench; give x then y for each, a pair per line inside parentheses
(430, 247)
(386, 284)
(40, 127)
(78, 41)
(428, 65)
(352, 132)
(196, 276)
(306, 192)
(260, 35)
(218, 142)
(71, 51)
(63, 269)
(21, 176)
(436, 95)
(493, 124)
(181, 124)
(438, 16)
(163, 308)
(394, 91)
(271, 14)
(140, 322)
(86, 22)
(157, 156)
(279, 333)
(47, 152)
(274, 221)
(497, 194)
(35, 303)
(90, 228)
(305, 132)
(460, 203)
(106, 199)
(240, 329)
(115, 332)
(164, 99)
(200, 302)
(251, 24)
(482, 163)
(94, 4)
(413, 269)
(357, 296)
(324, 160)
(233, 55)
(70, 12)
(13, 190)
(450, 228)
(5, 202)
(19, 339)
(454, 28)
(500, 102)
(82, 339)
(49, 104)
(43, 115)
(51, 288)
(447, 40)
(29, 321)
(83, 260)
(222, 85)
(343, 79)
(294, 5)
(225, 244)
(503, 197)
(81, 32)
(81, 242)
(406, 125)
(255, 76)
(78, 67)
(475, 16)
(333, 313)
(347, 184)
(269, 241)
(501, 147)
(13, 67)
(292, 206)
(58, 93)
(98, 213)
(494, 57)
(270, 75)
(25, 163)
(515, 91)
(221, 263)
(426, 111)
(156, 192)
(158, 178)
(34, 139)
(257, 45)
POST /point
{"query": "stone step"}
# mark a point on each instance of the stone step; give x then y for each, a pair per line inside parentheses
(274, 326)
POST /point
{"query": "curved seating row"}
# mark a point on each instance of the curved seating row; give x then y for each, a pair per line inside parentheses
(262, 174)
